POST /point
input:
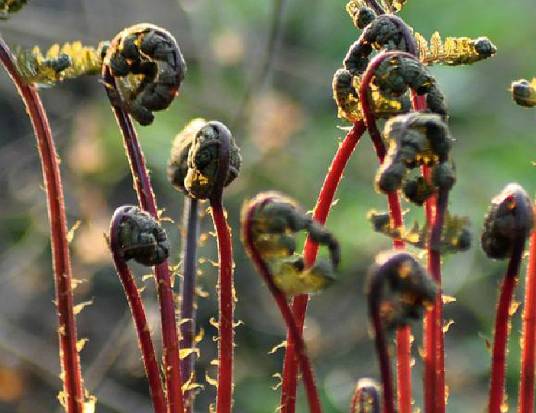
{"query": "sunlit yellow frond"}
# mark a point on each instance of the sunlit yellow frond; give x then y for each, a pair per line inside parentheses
(395, 5)
(67, 61)
(454, 51)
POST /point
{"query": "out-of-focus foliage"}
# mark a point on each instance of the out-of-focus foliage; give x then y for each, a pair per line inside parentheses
(288, 132)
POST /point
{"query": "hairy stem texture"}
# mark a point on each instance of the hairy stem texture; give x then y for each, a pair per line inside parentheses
(528, 337)
(226, 306)
(502, 329)
(284, 308)
(73, 394)
(137, 309)
(188, 311)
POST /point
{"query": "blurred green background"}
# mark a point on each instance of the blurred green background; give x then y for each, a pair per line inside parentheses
(278, 104)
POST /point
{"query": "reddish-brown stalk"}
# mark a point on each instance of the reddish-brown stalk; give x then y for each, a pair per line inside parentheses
(188, 306)
(73, 393)
(137, 309)
(403, 334)
(528, 336)
(310, 251)
(385, 364)
(147, 202)
(284, 308)
(433, 337)
(225, 281)
(502, 328)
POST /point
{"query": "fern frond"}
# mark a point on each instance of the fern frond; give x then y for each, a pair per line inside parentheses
(455, 236)
(10, 6)
(395, 5)
(67, 61)
(454, 51)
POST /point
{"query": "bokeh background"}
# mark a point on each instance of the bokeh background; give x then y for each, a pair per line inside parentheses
(264, 68)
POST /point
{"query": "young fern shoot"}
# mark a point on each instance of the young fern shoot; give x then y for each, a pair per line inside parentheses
(269, 222)
(135, 234)
(398, 290)
(203, 163)
(507, 226)
(366, 397)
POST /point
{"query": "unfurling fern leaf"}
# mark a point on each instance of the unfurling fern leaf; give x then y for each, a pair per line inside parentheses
(67, 61)
(454, 51)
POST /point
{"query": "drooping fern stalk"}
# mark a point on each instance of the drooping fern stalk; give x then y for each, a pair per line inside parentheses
(310, 250)
(73, 389)
(121, 248)
(152, 38)
(250, 212)
(507, 226)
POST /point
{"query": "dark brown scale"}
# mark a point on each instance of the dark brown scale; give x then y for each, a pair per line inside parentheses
(390, 177)
(139, 112)
(157, 96)
(417, 190)
(129, 48)
(363, 17)
(383, 33)
(399, 288)
(357, 57)
(436, 102)
(119, 65)
(443, 176)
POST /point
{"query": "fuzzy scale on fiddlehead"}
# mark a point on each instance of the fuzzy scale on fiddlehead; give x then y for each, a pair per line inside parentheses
(149, 68)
